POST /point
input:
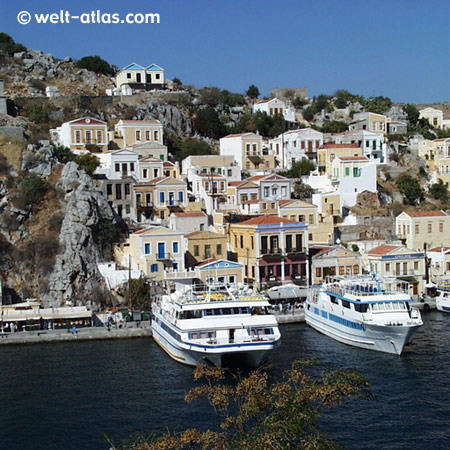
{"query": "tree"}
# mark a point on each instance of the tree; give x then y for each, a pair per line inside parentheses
(95, 64)
(308, 113)
(300, 168)
(207, 123)
(210, 96)
(439, 191)
(190, 147)
(140, 294)
(107, 234)
(335, 126)
(259, 414)
(412, 112)
(8, 46)
(87, 162)
(177, 81)
(410, 189)
(253, 92)
(30, 191)
(377, 105)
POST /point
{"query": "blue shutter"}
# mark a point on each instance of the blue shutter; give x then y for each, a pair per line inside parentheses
(180, 196)
(161, 197)
(147, 249)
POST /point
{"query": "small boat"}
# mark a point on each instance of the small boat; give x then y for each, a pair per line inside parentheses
(218, 325)
(364, 312)
(443, 299)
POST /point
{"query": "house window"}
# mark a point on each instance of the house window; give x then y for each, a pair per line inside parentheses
(430, 228)
(175, 247)
(202, 227)
(138, 135)
(156, 135)
(118, 192)
(175, 267)
(219, 249)
(441, 227)
(147, 136)
(145, 173)
(416, 228)
(99, 137)
(242, 241)
(161, 197)
(266, 192)
(157, 76)
(109, 189)
(207, 251)
(180, 196)
(311, 219)
(147, 249)
(117, 167)
(127, 189)
(416, 265)
(128, 76)
(347, 171)
(388, 267)
(88, 136)
(154, 268)
(356, 269)
(196, 250)
(77, 136)
(127, 208)
(318, 272)
(341, 270)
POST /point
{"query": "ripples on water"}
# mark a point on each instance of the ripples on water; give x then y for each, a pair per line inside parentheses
(63, 396)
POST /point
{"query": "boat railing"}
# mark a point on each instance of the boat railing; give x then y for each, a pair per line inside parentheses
(364, 289)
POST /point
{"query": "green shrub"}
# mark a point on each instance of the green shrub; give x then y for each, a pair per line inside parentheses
(95, 64)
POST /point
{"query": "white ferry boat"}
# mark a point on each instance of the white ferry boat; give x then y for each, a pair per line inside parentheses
(364, 313)
(217, 325)
(443, 299)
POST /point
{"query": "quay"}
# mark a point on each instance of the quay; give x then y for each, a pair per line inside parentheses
(131, 330)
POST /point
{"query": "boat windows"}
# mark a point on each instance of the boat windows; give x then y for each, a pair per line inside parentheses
(388, 306)
(334, 300)
(402, 306)
(226, 311)
(361, 307)
(209, 312)
(346, 304)
(202, 335)
(191, 314)
(259, 331)
(257, 311)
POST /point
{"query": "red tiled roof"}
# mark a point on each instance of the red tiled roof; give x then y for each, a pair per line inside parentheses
(383, 249)
(260, 102)
(439, 249)
(190, 214)
(266, 220)
(168, 164)
(353, 158)
(338, 146)
(235, 183)
(426, 213)
(256, 178)
(208, 261)
(157, 180)
(285, 202)
(144, 230)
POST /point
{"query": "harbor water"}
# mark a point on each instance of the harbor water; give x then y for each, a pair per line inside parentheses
(63, 396)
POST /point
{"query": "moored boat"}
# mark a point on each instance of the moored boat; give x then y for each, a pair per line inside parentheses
(443, 299)
(215, 325)
(364, 312)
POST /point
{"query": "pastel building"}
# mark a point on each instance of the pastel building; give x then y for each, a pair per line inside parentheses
(134, 132)
(141, 78)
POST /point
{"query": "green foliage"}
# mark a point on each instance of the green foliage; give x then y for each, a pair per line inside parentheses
(321, 102)
(439, 191)
(63, 154)
(260, 414)
(231, 99)
(299, 102)
(177, 81)
(95, 64)
(303, 191)
(37, 113)
(335, 126)
(377, 105)
(412, 112)
(308, 113)
(87, 162)
(207, 122)
(302, 167)
(261, 122)
(423, 172)
(210, 96)
(443, 134)
(253, 92)
(107, 234)
(30, 191)
(181, 149)
(410, 189)
(140, 294)
(355, 248)
(342, 97)
(8, 46)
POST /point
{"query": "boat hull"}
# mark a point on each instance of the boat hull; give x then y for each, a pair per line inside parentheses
(251, 354)
(442, 305)
(387, 339)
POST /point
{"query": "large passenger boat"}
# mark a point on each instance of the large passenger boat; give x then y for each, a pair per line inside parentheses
(443, 299)
(364, 312)
(215, 325)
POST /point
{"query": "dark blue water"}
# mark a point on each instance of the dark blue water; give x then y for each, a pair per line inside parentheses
(63, 396)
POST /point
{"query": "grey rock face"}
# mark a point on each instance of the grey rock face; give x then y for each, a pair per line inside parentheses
(75, 274)
(39, 160)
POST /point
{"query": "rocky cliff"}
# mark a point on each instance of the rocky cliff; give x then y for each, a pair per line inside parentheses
(75, 275)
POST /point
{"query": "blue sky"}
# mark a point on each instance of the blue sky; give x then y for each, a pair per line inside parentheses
(394, 48)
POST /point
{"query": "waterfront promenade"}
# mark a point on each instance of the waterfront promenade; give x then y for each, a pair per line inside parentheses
(131, 330)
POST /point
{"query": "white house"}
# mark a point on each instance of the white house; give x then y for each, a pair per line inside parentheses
(294, 145)
(134, 132)
(275, 107)
(211, 164)
(117, 164)
(371, 143)
(138, 77)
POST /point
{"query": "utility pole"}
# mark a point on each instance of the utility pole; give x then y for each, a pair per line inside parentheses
(129, 283)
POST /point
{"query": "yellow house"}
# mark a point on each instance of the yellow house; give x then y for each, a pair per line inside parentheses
(434, 116)
(443, 170)
(82, 134)
(326, 154)
(204, 245)
(335, 261)
(138, 77)
(154, 251)
(247, 150)
(159, 197)
(328, 204)
(272, 249)
(133, 132)
(369, 121)
(417, 228)
(399, 262)
(427, 151)
(171, 170)
(150, 168)
(320, 227)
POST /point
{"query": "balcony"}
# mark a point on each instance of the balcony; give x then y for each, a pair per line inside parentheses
(271, 251)
(294, 250)
(164, 256)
